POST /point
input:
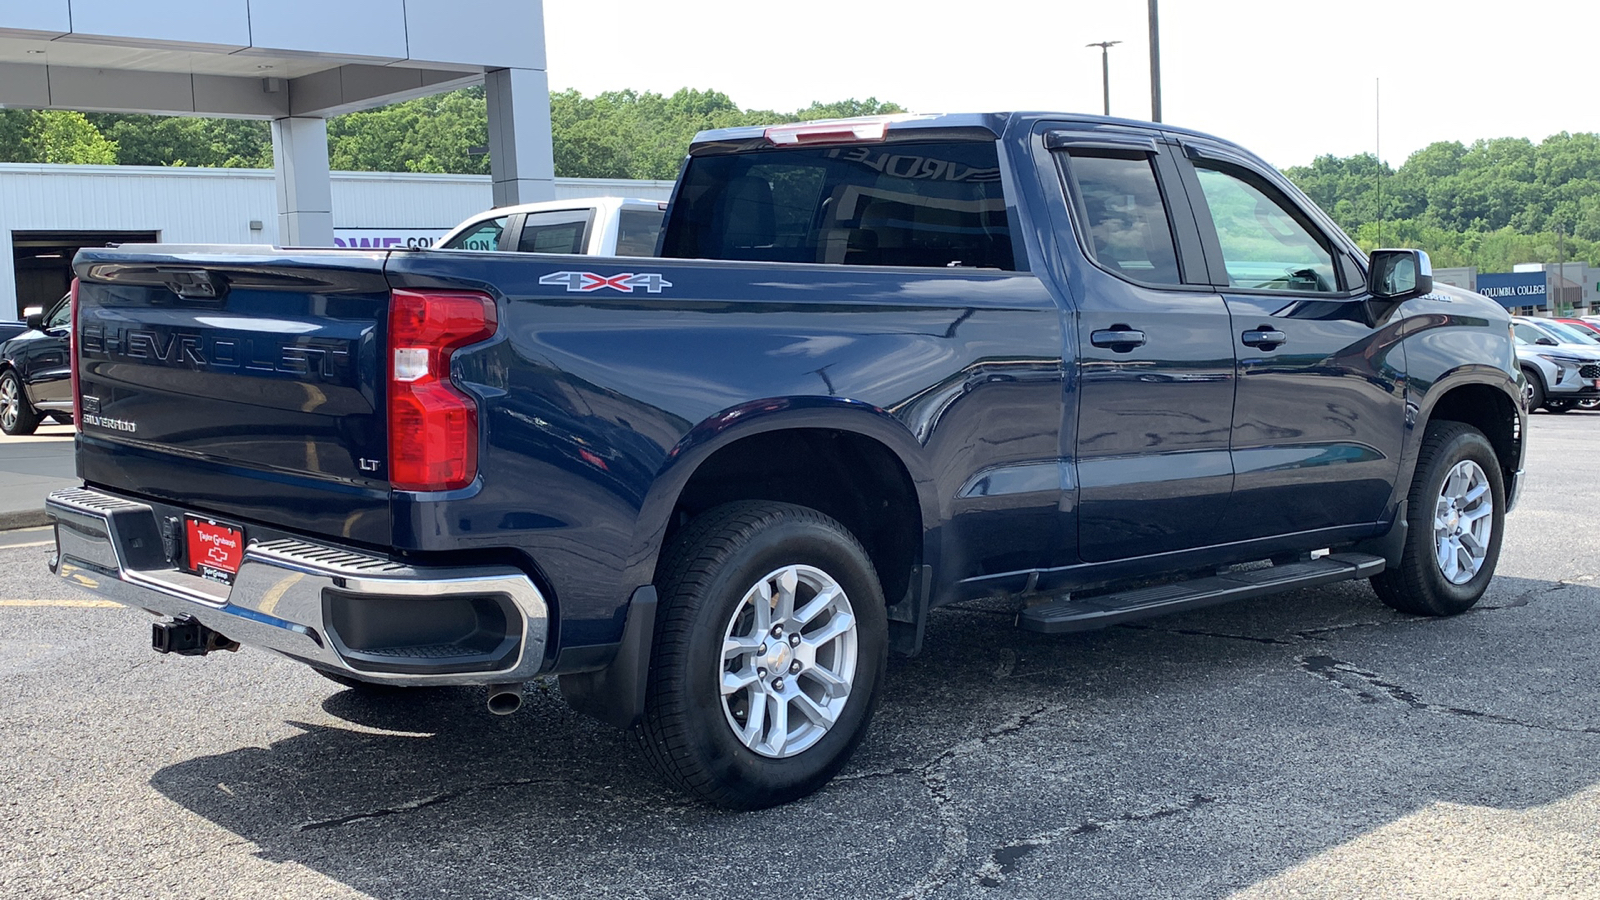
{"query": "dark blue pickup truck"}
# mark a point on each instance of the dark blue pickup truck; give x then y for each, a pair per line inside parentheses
(1109, 368)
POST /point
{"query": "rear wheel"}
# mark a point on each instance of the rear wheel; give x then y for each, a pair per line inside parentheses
(17, 415)
(769, 651)
(1456, 515)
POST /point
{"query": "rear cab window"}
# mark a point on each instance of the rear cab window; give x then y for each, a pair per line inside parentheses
(638, 231)
(557, 231)
(913, 203)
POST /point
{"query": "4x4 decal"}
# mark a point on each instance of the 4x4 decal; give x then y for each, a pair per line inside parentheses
(584, 282)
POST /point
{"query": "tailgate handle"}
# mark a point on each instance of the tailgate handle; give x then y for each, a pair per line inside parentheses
(192, 284)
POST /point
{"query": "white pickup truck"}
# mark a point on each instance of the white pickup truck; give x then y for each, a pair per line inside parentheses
(593, 226)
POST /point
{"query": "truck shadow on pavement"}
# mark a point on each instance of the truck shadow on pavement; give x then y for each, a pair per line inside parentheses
(1189, 756)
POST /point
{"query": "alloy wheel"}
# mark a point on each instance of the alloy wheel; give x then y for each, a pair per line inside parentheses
(1462, 522)
(788, 661)
(9, 408)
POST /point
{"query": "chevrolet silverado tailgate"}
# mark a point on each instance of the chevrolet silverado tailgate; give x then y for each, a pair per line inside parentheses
(240, 381)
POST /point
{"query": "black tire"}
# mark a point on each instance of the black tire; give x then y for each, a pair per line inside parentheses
(1535, 389)
(17, 415)
(704, 577)
(1418, 585)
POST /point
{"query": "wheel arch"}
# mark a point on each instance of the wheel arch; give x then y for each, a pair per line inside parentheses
(1491, 404)
(850, 460)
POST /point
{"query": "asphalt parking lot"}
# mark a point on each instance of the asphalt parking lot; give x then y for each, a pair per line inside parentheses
(1309, 745)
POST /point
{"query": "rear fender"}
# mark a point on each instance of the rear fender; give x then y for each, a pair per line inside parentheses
(760, 416)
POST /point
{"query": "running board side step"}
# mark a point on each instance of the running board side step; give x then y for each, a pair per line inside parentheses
(1087, 613)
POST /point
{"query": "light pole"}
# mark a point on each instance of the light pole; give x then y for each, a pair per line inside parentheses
(1105, 69)
(1155, 65)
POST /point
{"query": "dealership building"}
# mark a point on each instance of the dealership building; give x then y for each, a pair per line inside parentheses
(293, 63)
(48, 212)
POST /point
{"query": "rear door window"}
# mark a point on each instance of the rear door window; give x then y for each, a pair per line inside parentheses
(557, 231)
(936, 204)
(483, 236)
(1124, 218)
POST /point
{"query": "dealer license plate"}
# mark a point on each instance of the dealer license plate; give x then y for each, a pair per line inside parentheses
(215, 550)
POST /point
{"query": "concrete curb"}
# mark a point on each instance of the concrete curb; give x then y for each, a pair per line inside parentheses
(23, 518)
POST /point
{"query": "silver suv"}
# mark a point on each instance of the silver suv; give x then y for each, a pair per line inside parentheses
(1562, 365)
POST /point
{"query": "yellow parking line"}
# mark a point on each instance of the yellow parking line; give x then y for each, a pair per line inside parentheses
(80, 604)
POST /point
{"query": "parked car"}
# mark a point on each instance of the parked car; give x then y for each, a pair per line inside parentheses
(1110, 369)
(9, 330)
(36, 371)
(1584, 325)
(599, 226)
(1561, 365)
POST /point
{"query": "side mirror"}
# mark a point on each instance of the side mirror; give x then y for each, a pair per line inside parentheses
(1546, 342)
(35, 321)
(1396, 275)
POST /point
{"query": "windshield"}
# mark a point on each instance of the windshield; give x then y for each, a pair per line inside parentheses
(1570, 335)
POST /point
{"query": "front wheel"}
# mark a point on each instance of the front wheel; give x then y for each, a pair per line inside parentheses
(1533, 392)
(17, 415)
(1456, 517)
(769, 651)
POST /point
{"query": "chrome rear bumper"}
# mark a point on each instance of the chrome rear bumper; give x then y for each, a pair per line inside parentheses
(287, 594)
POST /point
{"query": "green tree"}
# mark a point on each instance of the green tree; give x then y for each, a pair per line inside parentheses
(53, 136)
(187, 141)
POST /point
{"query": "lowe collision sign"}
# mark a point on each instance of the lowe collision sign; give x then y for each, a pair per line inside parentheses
(1513, 289)
(386, 238)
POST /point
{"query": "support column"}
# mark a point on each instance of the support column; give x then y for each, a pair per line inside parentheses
(521, 162)
(8, 271)
(305, 188)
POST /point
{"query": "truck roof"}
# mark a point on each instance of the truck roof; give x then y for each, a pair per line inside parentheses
(996, 123)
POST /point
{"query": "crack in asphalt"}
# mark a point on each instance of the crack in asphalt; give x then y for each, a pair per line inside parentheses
(935, 776)
(1526, 597)
(187, 860)
(895, 772)
(425, 802)
(1341, 674)
(1004, 860)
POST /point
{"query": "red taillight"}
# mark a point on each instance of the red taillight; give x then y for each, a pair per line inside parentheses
(72, 362)
(433, 427)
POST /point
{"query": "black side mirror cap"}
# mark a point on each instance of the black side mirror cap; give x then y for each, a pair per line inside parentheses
(35, 321)
(1396, 275)
(1546, 342)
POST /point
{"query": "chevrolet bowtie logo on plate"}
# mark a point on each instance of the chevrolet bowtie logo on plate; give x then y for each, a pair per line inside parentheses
(584, 282)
